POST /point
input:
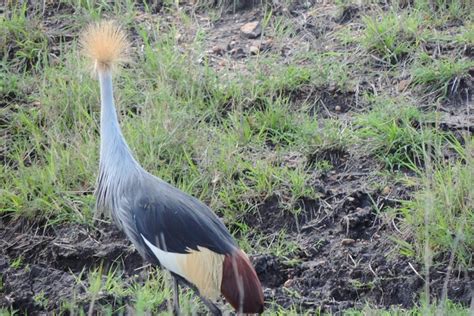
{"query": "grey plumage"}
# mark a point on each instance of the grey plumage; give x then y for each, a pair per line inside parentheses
(126, 191)
(167, 226)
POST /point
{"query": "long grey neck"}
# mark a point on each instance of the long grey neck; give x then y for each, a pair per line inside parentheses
(114, 151)
(118, 168)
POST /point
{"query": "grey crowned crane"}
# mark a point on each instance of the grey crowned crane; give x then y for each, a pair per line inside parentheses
(167, 226)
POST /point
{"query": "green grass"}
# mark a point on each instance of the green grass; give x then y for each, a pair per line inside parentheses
(440, 216)
(54, 145)
(441, 77)
(107, 293)
(450, 308)
(394, 132)
(392, 35)
(443, 10)
(48, 171)
(22, 40)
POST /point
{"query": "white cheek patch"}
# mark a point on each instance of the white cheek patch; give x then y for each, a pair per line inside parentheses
(170, 260)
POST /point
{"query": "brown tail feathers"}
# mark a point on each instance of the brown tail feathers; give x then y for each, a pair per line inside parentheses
(240, 284)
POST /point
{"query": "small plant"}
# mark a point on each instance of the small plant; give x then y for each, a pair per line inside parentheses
(22, 39)
(417, 310)
(330, 141)
(17, 263)
(441, 213)
(298, 185)
(275, 124)
(8, 312)
(323, 165)
(390, 131)
(10, 83)
(391, 36)
(281, 246)
(358, 285)
(149, 296)
(41, 300)
(441, 77)
(445, 10)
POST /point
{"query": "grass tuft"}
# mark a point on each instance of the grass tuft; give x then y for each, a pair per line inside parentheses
(442, 77)
(392, 35)
(393, 132)
(447, 197)
(22, 40)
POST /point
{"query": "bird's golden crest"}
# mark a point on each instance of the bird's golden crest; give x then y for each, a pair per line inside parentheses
(106, 44)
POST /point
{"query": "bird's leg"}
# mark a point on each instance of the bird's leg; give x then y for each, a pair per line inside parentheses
(211, 306)
(215, 311)
(175, 297)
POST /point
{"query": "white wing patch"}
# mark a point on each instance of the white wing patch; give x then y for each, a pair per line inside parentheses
(201, 267)
(169, 260)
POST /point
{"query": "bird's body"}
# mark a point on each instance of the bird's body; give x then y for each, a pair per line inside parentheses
(167, 226)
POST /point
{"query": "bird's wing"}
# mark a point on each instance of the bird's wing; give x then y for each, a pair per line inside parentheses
(175, 222)
(188, 239)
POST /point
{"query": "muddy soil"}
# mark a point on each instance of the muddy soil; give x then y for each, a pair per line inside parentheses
(345, 258)
(38, 261)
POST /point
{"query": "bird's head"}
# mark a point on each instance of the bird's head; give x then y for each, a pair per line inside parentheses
(106, 44)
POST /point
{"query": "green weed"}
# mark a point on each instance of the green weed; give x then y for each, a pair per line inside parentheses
(445, 10)
(441, 77)
(108, 293)
(8, 312)
(94, 10)
(41, 300)
(11, 83)
(419, 310)
(440, 215)
(22, 40)
(17, 263)
(330, 141)
(392, 35)
(394, 133)
(148, 297)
